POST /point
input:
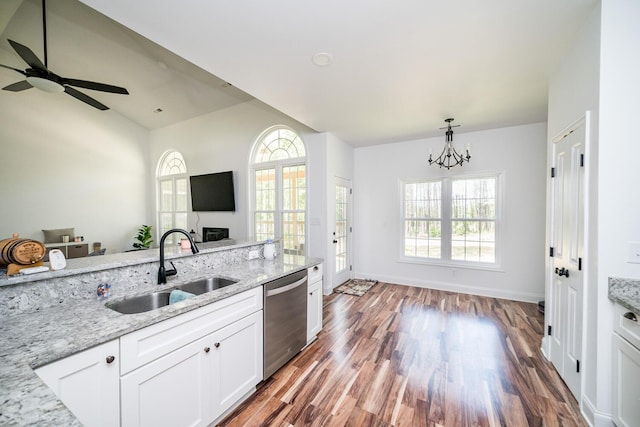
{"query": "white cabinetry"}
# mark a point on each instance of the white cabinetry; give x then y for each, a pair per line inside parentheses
(626, 368)
(190, 369)
(88, 384)
(314, 302)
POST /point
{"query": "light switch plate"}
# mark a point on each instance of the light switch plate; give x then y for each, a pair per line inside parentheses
(634, 252)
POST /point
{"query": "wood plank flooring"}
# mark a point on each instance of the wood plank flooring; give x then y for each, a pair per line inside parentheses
(406, 356)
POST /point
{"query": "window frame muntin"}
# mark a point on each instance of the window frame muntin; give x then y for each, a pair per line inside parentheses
(446, 221)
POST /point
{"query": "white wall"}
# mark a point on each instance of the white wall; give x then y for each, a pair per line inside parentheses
(222, 141)
(519, 152)
(618, 201)
(574, 89)
(66, 164)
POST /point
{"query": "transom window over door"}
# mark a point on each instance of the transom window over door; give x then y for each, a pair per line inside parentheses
(172, 194)
(280, 189)
(452, 220)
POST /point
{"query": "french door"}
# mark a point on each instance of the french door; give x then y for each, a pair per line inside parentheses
(342, 232)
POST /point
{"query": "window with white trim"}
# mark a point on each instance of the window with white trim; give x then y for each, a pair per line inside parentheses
(173, 191)
(452, 220)
(278, 164)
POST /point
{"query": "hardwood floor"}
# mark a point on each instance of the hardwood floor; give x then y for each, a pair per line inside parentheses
(405, 356)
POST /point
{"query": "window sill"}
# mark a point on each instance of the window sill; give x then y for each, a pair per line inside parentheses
(452, 264)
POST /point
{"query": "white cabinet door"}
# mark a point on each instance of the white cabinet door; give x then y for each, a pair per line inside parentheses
(88, 384)
(171, 391)
(237, 351)
(626, 386)
(314, 310)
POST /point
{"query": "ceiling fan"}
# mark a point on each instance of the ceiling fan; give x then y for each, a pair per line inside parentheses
(39, 76)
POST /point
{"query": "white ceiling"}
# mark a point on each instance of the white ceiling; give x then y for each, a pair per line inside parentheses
(399, 67)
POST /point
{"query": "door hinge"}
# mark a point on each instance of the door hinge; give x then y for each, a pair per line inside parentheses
(549, 330)
(351, 191)
(551, 251)
(351, 268)
(579, 264)
(350, 229)
(582, 160)
(553, 172)
(577, 366)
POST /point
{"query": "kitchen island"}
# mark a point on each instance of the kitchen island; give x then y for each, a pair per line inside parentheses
(57, 314)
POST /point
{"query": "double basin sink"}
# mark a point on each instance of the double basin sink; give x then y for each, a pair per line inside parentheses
(155, 300)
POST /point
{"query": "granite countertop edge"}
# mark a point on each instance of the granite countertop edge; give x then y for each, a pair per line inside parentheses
(625, 292)
(35, 339)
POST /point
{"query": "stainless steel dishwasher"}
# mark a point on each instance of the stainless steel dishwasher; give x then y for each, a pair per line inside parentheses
(285, 320)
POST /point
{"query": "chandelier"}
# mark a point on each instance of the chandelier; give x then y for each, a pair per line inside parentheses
(449, 156)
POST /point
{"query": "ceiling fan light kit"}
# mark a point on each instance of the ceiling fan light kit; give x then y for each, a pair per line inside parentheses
(449, 157)
(39, 76)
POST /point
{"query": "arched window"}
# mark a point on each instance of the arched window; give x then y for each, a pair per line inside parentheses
(173, 190)
(279, 169)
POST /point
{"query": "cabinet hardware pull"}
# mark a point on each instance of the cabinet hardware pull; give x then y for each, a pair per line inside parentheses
(315, 268)
(110, 359)
(207, 349)
(631, 316)
(217, 345)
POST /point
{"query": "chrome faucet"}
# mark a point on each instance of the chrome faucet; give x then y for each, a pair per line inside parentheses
(162, 272)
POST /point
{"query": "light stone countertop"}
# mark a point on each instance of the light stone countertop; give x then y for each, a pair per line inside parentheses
(93, 264)
(625, 292)
(30, 340)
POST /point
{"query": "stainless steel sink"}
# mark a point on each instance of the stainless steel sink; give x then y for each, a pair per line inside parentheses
(209, 284)
(155, 300)
(141, 303)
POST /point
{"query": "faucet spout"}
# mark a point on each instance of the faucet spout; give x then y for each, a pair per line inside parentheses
(162, 271)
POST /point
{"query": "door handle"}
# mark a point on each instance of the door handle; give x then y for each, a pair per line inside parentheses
(562, 272)
(335, 241)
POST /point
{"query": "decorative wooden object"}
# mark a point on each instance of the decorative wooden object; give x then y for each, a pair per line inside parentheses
(13, 269)
(21, 251)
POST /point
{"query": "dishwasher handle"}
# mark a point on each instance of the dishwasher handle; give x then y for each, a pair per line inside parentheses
(286, 288)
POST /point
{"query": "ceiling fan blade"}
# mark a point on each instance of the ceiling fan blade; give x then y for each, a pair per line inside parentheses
(85, 98)
(14, 69)
(18, 86)
(95, 86)
(28, 56)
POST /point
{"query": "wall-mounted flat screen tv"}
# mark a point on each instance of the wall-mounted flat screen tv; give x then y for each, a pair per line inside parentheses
(212, 192)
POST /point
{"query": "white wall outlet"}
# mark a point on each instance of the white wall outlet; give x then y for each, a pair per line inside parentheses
(254, 254)
(634, 252)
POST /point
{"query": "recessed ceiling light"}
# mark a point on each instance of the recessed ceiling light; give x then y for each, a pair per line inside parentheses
(322, 59)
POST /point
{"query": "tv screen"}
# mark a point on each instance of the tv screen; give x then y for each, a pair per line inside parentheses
(212, 192)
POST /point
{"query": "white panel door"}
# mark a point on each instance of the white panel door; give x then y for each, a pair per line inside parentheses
(567, 296)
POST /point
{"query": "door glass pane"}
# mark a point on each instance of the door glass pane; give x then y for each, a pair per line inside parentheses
(294, 188)
(341, 231)
(293, 226)
(181, 195)
(166, 195)
(265, 225)
(265, 190)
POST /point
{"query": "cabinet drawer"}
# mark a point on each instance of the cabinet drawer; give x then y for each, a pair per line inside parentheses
(143, 346)
(627, 328)
(77, 251)
(314, 273)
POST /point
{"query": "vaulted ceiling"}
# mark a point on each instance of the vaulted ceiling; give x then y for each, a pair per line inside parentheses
(396, 71)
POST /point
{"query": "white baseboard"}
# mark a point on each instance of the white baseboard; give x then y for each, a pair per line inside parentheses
(455, 287)
(593, 416)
